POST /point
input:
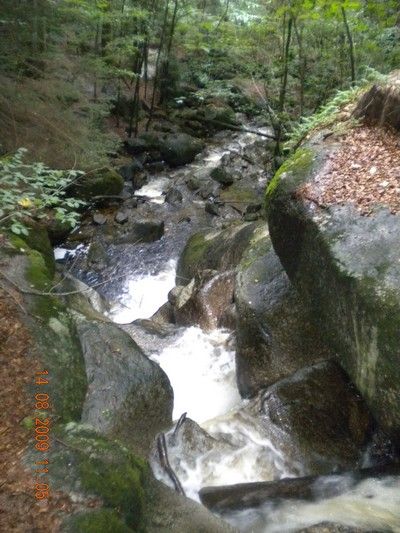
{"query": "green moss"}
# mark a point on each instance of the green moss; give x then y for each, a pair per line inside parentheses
(193, 252)
(298, 165)
(103, 468)
(102, 182)
(238, 194)
(38, 239)
(37, 272)
(98, 521)
(119, 485)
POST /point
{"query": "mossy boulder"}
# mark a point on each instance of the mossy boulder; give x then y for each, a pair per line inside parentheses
(219, 117)
(381, 104)
(38, 239)
(86, 464)
(101, 182)
(97, 521)
(346, 268)
(218, 250)
(180, 149)
(55, 340)
(275, 333)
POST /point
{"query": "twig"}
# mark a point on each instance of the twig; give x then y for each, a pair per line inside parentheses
(68, 293)
(179, 423)
(164, 461)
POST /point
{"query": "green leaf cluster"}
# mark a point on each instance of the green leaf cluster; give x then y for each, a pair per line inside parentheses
(36, 191)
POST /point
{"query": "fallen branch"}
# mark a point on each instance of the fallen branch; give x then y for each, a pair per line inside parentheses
(233, 127)
(164, 461)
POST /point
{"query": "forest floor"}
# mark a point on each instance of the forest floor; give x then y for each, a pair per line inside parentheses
(364, 171)
(20, 512)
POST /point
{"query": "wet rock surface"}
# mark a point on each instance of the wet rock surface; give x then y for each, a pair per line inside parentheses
(318, 418)
(345, 267)
(128, 395)
(205, 300)
(219, 250)
(275, 333)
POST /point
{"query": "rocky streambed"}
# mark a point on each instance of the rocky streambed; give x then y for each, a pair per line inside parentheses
(197, 355)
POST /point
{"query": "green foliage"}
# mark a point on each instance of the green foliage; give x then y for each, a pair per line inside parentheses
(326, 116)
(34, 190)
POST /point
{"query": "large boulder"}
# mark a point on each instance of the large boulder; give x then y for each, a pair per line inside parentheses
(54, 339)
(346, 266)
(275, 333)
(180, 149)
(129, 396)
(217, 250)
(91, 467)
(317, 418)
(101, 182)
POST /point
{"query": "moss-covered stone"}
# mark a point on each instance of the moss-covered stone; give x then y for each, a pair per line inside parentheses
(180, 149)
(55, 340)
(235, 194)
(220, 250)
(102, 182)
(97, 521)
(298, 165)
(88, 464)
(346, 267)
(38, 239)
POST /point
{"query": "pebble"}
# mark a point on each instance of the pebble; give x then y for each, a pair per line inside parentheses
(121, 217)
(99, 219)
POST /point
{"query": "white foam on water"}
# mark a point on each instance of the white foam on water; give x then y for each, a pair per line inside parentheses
(144, 295)
(201, 369)
(154, 190)
(246, 456)
(61, 253)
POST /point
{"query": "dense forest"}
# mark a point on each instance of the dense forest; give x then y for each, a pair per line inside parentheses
(79, 77)
(199, 266)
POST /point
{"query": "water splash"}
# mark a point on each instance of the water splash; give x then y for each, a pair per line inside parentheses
(144, 295)
(201, 368)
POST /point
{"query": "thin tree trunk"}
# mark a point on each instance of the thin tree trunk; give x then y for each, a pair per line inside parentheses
(302, 64)
(169, 45)
(351, 46)
(282, 95)
(97, 41)
(283, 90)
(223, 16)
(157, 73)
(35, 28)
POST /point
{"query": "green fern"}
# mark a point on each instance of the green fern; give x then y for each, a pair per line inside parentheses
(327, 114)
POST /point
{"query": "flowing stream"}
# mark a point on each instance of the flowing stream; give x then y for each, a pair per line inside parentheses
(201, 368)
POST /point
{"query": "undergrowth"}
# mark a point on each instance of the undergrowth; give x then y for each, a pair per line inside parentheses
(327, 114)
(34, 190)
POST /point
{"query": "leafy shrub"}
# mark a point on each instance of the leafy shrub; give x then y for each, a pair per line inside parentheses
(34, 190)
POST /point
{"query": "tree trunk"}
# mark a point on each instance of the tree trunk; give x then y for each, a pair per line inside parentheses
(302, 66)
(351, 46)
(157, 73)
